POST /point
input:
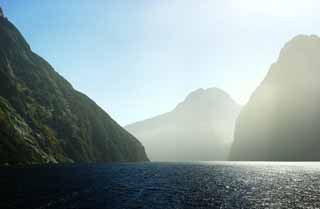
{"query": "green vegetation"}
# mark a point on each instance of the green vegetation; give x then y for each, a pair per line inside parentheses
(44, 120)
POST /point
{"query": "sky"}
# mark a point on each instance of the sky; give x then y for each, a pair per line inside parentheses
(137, 59)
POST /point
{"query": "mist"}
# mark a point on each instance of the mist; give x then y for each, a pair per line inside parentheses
(199, 129)
(280, 121)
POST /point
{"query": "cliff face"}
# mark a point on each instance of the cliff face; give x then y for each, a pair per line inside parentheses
(199, 128)
(43, 119)
(281, 120)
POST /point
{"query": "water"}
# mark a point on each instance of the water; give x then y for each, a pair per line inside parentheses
(162, 186)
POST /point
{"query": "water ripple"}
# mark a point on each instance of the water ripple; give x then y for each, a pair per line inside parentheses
(163, 186)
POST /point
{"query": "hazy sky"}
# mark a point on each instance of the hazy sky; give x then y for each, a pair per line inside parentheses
(139, 58)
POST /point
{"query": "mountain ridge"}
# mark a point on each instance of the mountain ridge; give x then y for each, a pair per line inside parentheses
(43, 119)
(201, 118)
(279, 123)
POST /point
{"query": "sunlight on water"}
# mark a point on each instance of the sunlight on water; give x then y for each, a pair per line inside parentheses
(225, 185)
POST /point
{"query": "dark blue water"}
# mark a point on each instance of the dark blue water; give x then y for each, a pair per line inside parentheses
(162, 186)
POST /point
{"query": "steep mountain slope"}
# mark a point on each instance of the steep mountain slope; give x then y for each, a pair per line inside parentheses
(199, 128)
(43, 119)
(281, 120)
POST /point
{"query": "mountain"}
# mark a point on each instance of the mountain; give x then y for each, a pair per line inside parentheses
(199, 128)
(282, 119)
(43, 119)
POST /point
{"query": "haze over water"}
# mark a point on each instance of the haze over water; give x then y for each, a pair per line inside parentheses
(137, 61)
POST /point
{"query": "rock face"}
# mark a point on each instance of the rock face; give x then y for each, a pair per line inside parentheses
(199, 128)
(43, 119)
(1, 12)
(281, 120)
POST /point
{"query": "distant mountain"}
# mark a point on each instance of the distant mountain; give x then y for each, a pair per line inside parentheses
(43, 119)
(281, 122)
(199, 128)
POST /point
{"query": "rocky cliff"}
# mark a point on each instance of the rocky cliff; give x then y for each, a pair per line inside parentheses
(43, 119)
(281, 120)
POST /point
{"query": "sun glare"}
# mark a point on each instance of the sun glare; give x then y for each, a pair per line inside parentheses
(284, 8)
